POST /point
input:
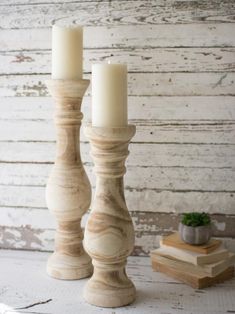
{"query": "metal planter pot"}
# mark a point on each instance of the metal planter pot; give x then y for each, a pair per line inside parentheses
(195, 235)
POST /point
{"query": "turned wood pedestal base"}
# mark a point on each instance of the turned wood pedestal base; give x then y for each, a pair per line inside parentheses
(69, 261)
(109, 232)
(110, 286)
(68, 191)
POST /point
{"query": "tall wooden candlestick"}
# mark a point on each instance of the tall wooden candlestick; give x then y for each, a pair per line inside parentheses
(109, 233)
(68, 192)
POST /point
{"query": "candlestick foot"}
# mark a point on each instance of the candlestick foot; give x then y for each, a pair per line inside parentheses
(61, 266)
(109, 286)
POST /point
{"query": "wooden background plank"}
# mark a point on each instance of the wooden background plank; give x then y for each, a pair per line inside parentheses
(162, 178)
(139, 84)
(121, 37)
(138, 60)
(152, 200)
(36, 234)
(181, 62)
(176, 108)
(160, 154)
(135, 12)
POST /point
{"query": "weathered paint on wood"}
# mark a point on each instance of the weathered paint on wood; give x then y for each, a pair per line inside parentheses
(181, 61)
(137, 199)
(147, 36)
(138, 60)
(28, 238)
(139, 84)
(175, 108)
(140, 199)
(116, 13)
(160, 155)
(148, 226)
(36, 131)
(153, 177)
(157, 223)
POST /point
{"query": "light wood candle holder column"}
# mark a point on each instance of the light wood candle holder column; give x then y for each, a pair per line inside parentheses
(68, 192)
(109, 233)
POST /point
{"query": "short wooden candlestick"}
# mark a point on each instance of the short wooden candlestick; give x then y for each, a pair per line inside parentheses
(109, 233)
(68, 192)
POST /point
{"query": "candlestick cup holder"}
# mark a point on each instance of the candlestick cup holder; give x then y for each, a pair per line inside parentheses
(68, 191)
(109, 232)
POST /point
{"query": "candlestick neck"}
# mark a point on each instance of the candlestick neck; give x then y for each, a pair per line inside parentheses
(109, 149)
(68, 96)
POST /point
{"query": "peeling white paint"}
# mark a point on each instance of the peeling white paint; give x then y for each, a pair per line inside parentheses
(219, 225)
(182, 157)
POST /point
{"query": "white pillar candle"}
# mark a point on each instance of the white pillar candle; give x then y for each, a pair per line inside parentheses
(109, 95)
(67, 46)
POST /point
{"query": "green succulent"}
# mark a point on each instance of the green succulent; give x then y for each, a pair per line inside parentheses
(195, 219)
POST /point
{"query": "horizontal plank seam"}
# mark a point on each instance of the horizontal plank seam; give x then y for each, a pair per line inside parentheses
(131, 189)
(129, 72)
(90, 164)
(133, 212)
(31, 93)
(59, 2)
(132, 96)
(134, 143)
(177, 190)
(152, 122)
(24, 207)
(126, 48)
(210, 23)
(230, 70)
(50, 3)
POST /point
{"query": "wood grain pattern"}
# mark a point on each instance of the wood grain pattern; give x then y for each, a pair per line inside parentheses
(68, 191)
(118, 13)
(191, 257)
(209, 270)
(175, 241)
(196, 281)
(109, 233)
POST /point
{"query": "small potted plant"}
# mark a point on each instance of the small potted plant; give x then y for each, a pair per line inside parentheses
(195, 228)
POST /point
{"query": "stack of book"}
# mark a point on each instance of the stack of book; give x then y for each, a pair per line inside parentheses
(199, 266)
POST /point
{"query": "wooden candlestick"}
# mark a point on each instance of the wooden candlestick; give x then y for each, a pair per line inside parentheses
(68, 192)
(109, 233)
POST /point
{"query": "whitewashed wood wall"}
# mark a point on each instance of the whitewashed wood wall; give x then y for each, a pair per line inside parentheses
(181, 59)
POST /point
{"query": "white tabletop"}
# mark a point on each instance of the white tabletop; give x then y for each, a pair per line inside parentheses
(26, 288)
